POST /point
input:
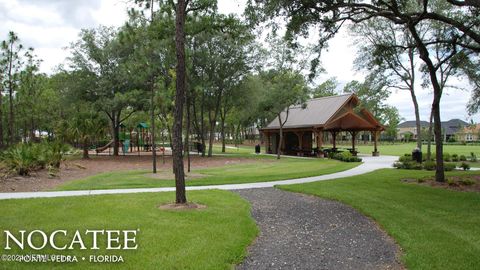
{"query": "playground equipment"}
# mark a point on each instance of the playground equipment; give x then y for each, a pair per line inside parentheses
(140, 138)
(103, 148)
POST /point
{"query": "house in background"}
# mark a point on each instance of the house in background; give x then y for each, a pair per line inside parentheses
(408, 129)
(469, 133)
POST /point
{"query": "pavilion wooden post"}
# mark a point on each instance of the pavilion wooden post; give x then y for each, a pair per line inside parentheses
(300, 142)
(354, 134)
(319, 140)
(267, 143)
(375, 152)
(334, 140)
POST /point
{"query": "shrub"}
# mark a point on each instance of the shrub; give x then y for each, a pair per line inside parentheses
(451, 181)
(429, 165)
(467, 181)
(346, 157)
(465, 166)
(24, 158)
(20, 159)
(405, 158)
(421, 180)
(397, 165)
(462, 158)
(449, 166)
(455, 157)
(446, 157)
(408, 165)
(473, 157)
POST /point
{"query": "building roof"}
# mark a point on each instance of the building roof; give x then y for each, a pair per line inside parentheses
(329, 113)
(412, 124)
(475, 128)
(450, 127)
(317, 112)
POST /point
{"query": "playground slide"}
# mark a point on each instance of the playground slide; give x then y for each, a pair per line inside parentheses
(103, 148)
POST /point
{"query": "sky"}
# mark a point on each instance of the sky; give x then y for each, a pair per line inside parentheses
(50, 26)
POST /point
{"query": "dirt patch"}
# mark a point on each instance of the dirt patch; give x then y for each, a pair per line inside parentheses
(182, 206)
(77, 169)
(466, 183)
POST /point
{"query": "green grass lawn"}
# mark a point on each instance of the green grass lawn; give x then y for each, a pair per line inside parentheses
(259, 171)
(436, 228)
(399, 149)
(212, 238)
(241, 150)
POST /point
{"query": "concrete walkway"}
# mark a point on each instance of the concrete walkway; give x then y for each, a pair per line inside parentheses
(369, 164)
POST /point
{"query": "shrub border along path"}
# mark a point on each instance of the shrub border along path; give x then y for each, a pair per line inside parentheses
(369, 164)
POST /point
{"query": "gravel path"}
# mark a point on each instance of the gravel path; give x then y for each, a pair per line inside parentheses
(305, 232)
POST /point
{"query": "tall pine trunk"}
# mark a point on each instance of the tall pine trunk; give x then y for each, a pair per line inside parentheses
(116, 137)
(223, 115)
(211, 137)
(202, 124)
(152, 117)
(213, 121)
(179, 100)
(10, 97)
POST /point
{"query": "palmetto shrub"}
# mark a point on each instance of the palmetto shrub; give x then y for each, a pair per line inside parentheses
(24, 158)
(20, 158)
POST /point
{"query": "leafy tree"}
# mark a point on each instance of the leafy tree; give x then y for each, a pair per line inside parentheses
(86, 126)
(392, 119)
(283, 89)
(11, 49)
(372, 95)
(30, 88)
(461, 17)
(104, 78)
(389, 50)
(325, 89)
(470, 69)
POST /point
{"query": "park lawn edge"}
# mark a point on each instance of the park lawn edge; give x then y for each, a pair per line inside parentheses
(213, 176)
(228, 210)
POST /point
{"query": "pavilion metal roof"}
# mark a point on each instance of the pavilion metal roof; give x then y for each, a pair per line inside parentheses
(317, 112)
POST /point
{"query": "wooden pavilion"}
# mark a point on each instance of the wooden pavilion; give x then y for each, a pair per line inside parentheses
(321, 116)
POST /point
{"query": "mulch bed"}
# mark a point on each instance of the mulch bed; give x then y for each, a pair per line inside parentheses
(466, 183)
(77, 169)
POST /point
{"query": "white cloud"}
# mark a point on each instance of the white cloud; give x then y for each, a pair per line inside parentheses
(51, 25)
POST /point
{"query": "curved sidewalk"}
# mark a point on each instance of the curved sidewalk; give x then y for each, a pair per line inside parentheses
(369, 164)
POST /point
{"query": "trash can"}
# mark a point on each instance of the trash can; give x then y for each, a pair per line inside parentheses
(199, 147)
(417, 155)
(257, 149)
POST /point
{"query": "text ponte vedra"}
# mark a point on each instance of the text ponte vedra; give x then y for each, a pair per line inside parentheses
(38, 239)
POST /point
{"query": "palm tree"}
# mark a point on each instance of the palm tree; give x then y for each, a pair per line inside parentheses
(86, 127)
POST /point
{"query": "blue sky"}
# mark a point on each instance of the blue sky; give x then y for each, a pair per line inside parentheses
(50, 25)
